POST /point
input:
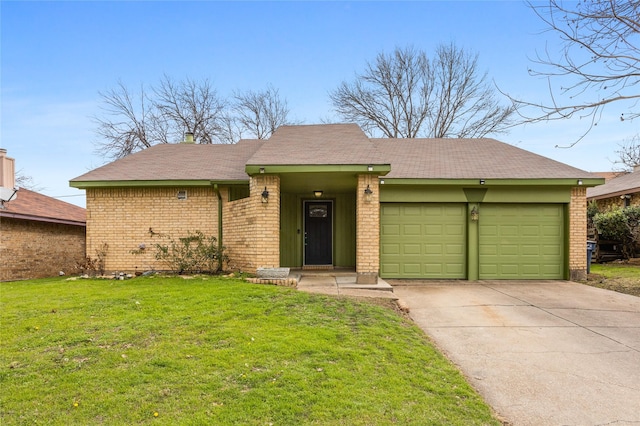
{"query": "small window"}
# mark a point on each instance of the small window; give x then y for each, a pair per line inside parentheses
(318, 211)
(182, 195)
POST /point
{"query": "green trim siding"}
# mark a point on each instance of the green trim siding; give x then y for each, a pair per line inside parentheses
(291, 229)
(438, 194)
(586, 182)
(151, 183)
(377, 169)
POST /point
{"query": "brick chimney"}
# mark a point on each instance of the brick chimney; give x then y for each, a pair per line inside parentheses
(8, 191)
(7, 170)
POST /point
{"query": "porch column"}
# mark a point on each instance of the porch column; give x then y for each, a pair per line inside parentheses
(367, 229)
(266, 225)
(578, 234)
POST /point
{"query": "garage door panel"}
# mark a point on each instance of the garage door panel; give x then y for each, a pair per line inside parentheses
(455, 249)
(433, 249)
(521, 241)
(409, 249)
(530, 250)
(411, 269)
(390, 230)
(434, 230)
(433, 269)
(432, 240)
(390, 249)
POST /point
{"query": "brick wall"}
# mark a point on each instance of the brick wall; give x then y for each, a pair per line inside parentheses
(238, 229)
(121, 218)
(608, 204)
(578, 234)
(267, 215)
(31, 249)
(252, 228)
(367, 230)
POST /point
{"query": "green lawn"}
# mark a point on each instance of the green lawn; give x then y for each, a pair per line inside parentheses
(217, 351)
(621, 277)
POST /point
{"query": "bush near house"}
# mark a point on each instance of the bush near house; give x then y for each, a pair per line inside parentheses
(194, 253)
(622, 224)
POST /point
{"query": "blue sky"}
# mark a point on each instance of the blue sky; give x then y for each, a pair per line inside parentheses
(57, 56)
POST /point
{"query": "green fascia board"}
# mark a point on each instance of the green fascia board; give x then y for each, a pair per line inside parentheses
(376, 169)
(150, 183)
(493, 182)
(461, 194)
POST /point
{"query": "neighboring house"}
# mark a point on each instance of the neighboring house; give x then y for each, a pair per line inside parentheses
(620, 191)
(39, 235)
(327, 196)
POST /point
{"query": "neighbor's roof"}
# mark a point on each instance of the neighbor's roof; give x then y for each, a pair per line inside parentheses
(31, 205)
(178, 162)
(469, 159)
(625, 184)
(317, 144)
(609, 175)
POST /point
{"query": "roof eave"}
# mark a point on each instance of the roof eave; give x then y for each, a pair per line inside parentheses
(152, 183)
(588, 182)
(374, 169)
(42, 219)
(627, 191)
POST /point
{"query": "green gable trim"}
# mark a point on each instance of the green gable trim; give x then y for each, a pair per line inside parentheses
(493, 182)
(451, 194)
(150, 183)
(377, 169)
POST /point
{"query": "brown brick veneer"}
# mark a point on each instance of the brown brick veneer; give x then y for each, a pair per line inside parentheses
(34, 249)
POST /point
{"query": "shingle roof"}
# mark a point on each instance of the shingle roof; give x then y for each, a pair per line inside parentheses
(625, 184)
(336, 144)
(34, 206)
(469, 159)
(178, 162)
(317, 144)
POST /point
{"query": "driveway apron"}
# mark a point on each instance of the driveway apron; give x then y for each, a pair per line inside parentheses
(540, 353)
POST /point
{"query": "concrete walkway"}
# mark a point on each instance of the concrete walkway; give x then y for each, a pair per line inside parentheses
(340, 283)
(540, 353)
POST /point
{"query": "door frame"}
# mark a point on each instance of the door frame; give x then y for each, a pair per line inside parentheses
(304, 230)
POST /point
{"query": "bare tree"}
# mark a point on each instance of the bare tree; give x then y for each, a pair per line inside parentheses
(189, 106)
(134, 121)
(127, 122)
(260, 113)
(25, 181)
(598, 62)
(629, 153)
(407, 95)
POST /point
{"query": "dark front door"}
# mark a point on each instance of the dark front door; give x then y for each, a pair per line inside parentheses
(318, 233)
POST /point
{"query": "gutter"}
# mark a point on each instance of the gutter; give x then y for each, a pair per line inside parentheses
(217, 191)
(42, 219)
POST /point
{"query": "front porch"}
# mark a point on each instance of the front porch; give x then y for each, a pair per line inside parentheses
(325, 221)
(339, 281)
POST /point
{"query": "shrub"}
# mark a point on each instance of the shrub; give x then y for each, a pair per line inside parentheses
(93, 266)
(194, 253)
(592, 209)
(622, 225)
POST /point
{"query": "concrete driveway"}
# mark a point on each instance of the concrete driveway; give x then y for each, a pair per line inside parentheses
(540, 353)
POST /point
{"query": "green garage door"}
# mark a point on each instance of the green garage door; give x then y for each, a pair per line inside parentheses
(423, 240)
(521, 241)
